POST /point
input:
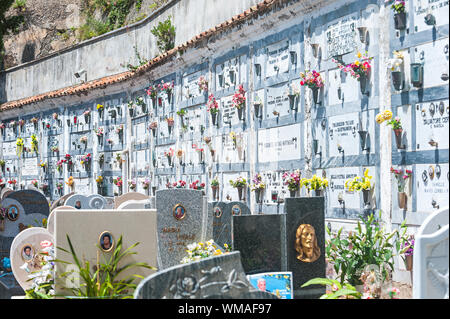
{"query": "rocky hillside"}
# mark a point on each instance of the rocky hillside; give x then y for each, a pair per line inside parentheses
(51, 25)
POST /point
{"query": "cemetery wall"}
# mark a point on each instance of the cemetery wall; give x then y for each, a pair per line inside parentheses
(265, 52)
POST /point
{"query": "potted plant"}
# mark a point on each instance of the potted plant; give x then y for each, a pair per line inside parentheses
(202, 84)
(315, 183)
(314, 81)
(399, 6)
(238, 101)
(359, 69)
(401, 183)
(408, 252)
(395, 64)
(292, 180)
(215, 188)
(258, 187)
(362, 184)
(213, 108)
(239, 183)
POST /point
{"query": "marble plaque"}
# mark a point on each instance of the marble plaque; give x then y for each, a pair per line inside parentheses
(438, 8)
(342, 87)
(280, 143)
(275, 188)
(190, 86)
(343, 131)
(277, 101)
(232, 151)
(434, 57)
(141, 133)
(432, 186)
(229, 113)
(228, 74)
(9, 148)
(432, 125)
(30, 167)
(230, 193)
(340, 35)
(277, 58)
(336, 179)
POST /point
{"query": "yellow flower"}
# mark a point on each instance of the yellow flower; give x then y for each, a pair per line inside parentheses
(379, 118)
(356, 63)
(359, 55)
(387, 115)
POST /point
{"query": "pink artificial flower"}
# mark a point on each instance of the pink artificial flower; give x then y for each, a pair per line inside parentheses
(46, 244)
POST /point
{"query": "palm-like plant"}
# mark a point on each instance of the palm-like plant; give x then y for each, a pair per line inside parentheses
(104, 282)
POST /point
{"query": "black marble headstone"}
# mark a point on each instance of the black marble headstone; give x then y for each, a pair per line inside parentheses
(221, 224)
(268, 243)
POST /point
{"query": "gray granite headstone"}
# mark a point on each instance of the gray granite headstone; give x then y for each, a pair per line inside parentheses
(237, 208)
(61, 201)
(219, 277)
(270, 243)
(175, 232)
(86, 202)
(221, 224)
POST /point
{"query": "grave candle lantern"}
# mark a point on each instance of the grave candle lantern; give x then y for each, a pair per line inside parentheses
(416, 74)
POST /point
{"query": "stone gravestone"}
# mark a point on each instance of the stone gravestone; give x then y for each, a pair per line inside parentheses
(128, 196)
(86, 202)
(180, 223)
(25, 249)
(5, 191)
(86, 228)
(219, 277)
(430, 276)
(51, 218)
(61, 201)
(222, 213)
(280, 242)
(136, 204)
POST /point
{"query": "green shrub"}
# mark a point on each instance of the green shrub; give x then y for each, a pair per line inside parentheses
(165, 35)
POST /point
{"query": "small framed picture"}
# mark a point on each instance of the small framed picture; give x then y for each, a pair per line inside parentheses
(236, 210)
(179, 212)
(12, 212)
(217, 212)
(27, 253)
(106, 241)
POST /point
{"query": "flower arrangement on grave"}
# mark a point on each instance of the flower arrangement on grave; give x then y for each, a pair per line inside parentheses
(131, 105)
(179, 184)
(84, 139)
(99, 132)
(19, 147)
(34, 120)
(12, 182)
(68, 160)
(167, 87)
(197, 185)
(54, 149)
(59, 165)
(70, 182)
(153, 125)
(21, 123)
(47, 125)
(118, 181)
(239, 183)
(146, 184)
(200, 152)
(233, 138)
(169, 154)
(132, 185)
(181, 113)
(109, 141)
(212, 108)
(202, 84)
(238, 99)
(87, 114)
(395, 63)
(292, 180)
(119, 157)
(198, 251)
(316, 183)
(43, 165)
(2, 126)
(59, 186)
(358, 69)
(358, 183)
(2, 164)
(170, 121)
(13, 124)
(43, 282)
(86, 160)
(401, 178)
(152, 92)
(119, 129)
(407, 252)
(35, 183)
(311, 79)
(215, 186)
(100, 107)
(258, 183)
(99, 181)
(398, 6)
(383, 116)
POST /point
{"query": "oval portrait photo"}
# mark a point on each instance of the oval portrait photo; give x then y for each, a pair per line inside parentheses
(27, 253)
(106, 241)
(179, 212)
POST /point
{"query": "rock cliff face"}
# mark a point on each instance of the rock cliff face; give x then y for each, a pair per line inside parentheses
(52, 25)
